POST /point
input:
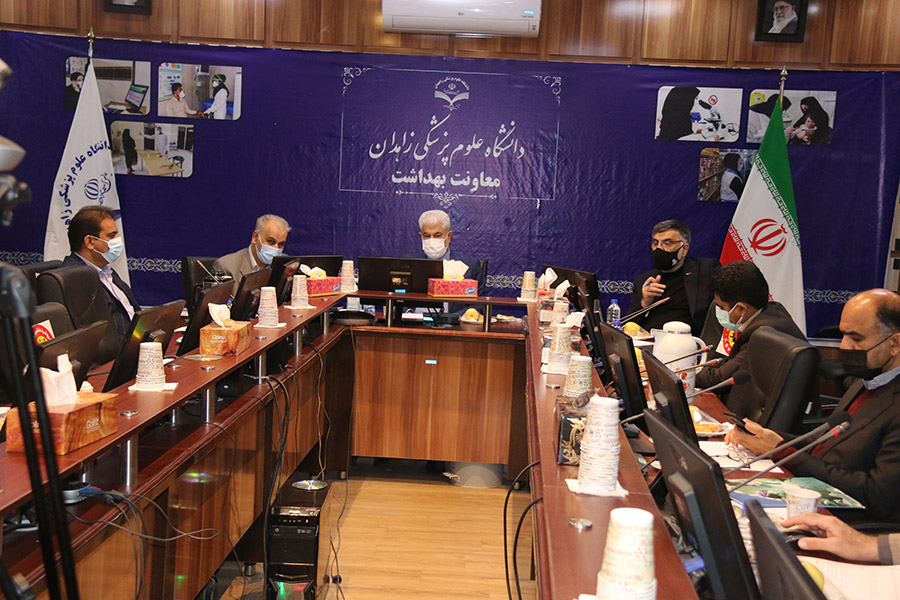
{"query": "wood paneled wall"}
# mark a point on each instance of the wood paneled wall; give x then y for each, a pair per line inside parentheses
(862, 34)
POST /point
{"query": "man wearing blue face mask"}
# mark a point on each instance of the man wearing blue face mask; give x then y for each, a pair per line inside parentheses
(94, 241)
(266, 243)
(864, 461)
(741, 295)
(434, 229)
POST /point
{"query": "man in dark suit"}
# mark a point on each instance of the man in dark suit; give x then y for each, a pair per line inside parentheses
(864, 461)
(94, 241)
(266, 242)
(681, 278)
(741, 295)
(434, 229)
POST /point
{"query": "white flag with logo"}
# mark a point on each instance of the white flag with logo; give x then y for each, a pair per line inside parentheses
(764, 228)
(85, 176)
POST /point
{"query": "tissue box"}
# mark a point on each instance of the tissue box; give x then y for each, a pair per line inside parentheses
(545, 306)
(93, 417)
(225, 340)
(452, 288)
(326, 286)
(571, 430)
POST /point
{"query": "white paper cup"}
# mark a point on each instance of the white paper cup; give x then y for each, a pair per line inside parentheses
(580, 377)
(150, 365)
(801, 500)
(628, 559)
(560, 312)
(299, 292)
(561, 341)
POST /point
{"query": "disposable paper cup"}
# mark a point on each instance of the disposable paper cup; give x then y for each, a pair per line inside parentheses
(558, 362)
(560, 312)
(299, 291)
(580, 377)
(801, 500)
(150, 365)
(607, 590)
(628, 559)
(528, 281)
(561, 341)
(598, 465)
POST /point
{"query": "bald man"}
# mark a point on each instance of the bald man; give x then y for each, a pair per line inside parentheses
(865, 460)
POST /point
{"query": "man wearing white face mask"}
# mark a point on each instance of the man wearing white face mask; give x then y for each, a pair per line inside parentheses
(94, 240)
(434, 229)
(741, 294)
(177, 105)
(266, 243)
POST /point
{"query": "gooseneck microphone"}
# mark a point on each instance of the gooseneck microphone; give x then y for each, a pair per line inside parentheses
(710, 363)
(739, 378)
(689, 354)
(833, 432)
(638, 313)
(835, 420)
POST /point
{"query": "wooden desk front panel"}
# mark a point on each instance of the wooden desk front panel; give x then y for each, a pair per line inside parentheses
(457, 408)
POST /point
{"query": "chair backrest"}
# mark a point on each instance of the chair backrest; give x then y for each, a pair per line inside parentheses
(35, 269)
(191, 275)
(80, 291)
(783, 371)
(58, 316)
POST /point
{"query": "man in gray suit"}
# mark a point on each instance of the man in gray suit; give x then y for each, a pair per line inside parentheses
(266, 243)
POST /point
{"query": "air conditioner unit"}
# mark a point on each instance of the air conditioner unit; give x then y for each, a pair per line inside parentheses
(509, 18)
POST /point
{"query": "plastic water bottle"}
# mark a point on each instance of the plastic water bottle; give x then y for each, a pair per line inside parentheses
(613, 313)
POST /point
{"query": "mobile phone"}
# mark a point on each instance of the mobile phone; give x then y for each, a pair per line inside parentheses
(739, 423)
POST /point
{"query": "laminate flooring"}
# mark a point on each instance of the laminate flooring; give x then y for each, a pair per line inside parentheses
(407, 533)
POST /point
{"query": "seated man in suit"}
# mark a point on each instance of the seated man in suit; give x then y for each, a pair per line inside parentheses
(94, 241)
(864, 461)
(681, 278)
(741, 294)
(266, 242)
(434, 229)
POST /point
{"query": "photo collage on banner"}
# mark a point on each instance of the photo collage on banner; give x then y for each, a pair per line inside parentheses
(808, 116)
(184, 91)
(691, 114)
(723, 172)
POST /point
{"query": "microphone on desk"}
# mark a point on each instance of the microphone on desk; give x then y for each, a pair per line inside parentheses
(208, 272)
(710, 363)
(739, 378)
(638, 313)
(833, 432)
(829, 427)
(689, 354)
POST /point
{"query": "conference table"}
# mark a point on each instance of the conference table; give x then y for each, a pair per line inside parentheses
(389, 389)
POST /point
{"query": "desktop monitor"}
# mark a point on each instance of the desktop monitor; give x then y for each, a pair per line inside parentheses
(149, 325)
(402, 275)
(781, 576)
(577, 278)
(81, 345)
(135, 95)
(328, 263)
(284, 283)
(246, 299)
(621, 362)
(219, 294)
(668, 391)
(697, 492)
(590, 330)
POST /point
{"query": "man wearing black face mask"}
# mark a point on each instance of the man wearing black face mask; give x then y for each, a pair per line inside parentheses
(681, 278)
(865, 460)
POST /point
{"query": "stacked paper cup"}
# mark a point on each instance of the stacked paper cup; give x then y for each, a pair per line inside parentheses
(348, 282)
(299, 292)
(628, 571)
(560, 349)
(529, 286)
(560, 312)
(268, 307)
(598, 465)
(579, 380)
(150, 373)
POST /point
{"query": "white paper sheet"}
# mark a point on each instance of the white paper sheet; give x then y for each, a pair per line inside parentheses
(863, 582)
(718, 451)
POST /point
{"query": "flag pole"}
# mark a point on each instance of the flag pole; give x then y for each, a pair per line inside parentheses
(90, 37)
(780, 89)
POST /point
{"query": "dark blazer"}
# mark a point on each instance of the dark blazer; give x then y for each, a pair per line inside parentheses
(473, 272)
(864, 461)
(774, 315)
(697, 273)
(119, 315)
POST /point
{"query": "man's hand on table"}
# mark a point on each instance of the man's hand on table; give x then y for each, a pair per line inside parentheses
(834, 536)
(651, 291)
(759, 440)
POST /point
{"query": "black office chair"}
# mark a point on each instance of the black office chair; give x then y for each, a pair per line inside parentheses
(80, 291)
(783, 371)
(192, 276)
(178, 161)
(35, 269)
(58, 316)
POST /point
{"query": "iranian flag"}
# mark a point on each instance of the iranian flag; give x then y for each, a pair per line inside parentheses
(764, 228)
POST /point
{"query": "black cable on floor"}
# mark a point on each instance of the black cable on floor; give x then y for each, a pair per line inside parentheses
(505, 532)
(516, 543)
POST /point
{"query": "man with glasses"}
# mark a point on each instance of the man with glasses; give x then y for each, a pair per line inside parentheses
(683, 279)
(864, 461)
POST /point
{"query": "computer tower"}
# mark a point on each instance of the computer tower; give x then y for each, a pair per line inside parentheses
(298, 542)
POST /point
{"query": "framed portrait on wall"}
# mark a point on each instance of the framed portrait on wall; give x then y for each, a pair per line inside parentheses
(136, 7)
(781, 20)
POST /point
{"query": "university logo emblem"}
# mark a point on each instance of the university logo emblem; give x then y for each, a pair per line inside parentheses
(768, 237)
(452, 90)
(95, 189)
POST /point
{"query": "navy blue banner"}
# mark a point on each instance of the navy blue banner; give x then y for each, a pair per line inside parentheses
(536, 162)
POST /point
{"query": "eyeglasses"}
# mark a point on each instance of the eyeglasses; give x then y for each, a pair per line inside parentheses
(666, 244)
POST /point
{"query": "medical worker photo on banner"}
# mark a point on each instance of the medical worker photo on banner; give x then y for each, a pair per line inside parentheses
(694, 114)
(198, 91)
(124, 84)
(155, 149)
(808, 116)
(781, 20)
(723, 173)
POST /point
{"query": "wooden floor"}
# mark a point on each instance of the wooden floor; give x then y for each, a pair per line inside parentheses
(409, 534)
